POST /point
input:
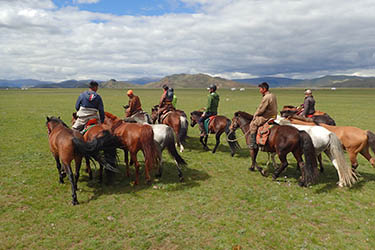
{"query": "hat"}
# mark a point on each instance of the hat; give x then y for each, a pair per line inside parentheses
(165, 86)
(213, 87)
(308, 92)
(130, 92)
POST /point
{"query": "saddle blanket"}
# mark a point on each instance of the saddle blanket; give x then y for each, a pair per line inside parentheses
(207, 122)
(264, 132)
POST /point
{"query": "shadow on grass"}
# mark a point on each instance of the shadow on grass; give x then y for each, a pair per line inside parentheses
(118, 183)
(193, 143)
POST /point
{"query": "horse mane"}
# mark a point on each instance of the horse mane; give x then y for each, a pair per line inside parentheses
(198, 113)
(110, 116)
(244, 115)
(58, 120)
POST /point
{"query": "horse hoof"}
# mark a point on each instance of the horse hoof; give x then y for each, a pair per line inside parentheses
(252, 169)
(158, 176)
(301, 184)
(232, 154)
(182, 179)
(61, 181)
(264, 172)
(75, 202)
(274, 177)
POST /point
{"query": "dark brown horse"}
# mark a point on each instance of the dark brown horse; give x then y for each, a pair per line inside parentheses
(176, 119)
(283, 140)
(135, 137)
(218, 125)
(318, 117)
(67, 145)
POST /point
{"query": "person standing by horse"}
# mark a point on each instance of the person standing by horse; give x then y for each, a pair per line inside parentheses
(134, 105)
(211, 110)
(166, 99)
(308, 105)
(88, 105)
(266, 110)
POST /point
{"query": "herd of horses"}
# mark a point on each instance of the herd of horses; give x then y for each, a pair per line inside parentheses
(306, 139)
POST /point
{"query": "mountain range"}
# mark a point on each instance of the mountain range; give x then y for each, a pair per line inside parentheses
(202, 81)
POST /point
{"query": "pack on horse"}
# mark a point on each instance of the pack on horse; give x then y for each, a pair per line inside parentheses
(216, 125)
(354, 140)
(327, 142)
(67, 145)
(176, 119)
(92, 131)
(318, 116)
(135, 137)
(282, 140)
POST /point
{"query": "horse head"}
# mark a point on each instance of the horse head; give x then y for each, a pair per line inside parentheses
(194, 117)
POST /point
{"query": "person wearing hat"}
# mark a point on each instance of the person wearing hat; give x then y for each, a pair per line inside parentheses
(308, 104)
(266, 110)
(88, 104)
(134, 105)
(165, 103)
(211, 109)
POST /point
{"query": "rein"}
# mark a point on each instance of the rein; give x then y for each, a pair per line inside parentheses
(244, 135)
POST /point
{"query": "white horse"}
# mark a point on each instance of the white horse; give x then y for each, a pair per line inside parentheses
(327, 142)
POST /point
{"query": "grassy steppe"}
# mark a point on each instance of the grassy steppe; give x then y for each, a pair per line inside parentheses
(220, 205)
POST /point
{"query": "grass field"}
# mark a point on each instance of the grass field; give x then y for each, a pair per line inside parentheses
(220, 205)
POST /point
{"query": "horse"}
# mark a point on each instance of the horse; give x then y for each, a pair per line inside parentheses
(319, 117)
(135, 137)
(93, 132)
(176, 120)
(218, 125)
(67, 145)
(327, 142)
(164, 137)
(353, 139)
(283, 140)
(139, 117)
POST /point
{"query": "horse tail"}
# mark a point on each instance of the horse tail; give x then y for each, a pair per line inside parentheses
(149, 148)
(92, 150)
(184, 128)
(171, 146)
(311, 166)
(231, 138)
(371, 140)
(346, 174)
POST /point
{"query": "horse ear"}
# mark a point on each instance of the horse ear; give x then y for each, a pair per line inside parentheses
(48, 119)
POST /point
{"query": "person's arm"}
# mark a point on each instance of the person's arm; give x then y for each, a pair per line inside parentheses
(262, 107)
(162, 98)
(78, 102)
(306, 107)
(101, 110)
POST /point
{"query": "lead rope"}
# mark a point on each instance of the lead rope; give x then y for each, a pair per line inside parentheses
(245, 134)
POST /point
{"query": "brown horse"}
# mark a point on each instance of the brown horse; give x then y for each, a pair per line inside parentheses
(67, 145)
(135, 137)
(283, 140)
(218, 125)
(176, 119)
(318, 116)
(354, 140)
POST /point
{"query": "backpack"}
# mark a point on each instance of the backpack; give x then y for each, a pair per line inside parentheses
(170, 94)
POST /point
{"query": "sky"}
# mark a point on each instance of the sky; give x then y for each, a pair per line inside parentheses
(56, 40)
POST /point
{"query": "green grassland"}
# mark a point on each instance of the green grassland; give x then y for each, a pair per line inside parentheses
(221, 204)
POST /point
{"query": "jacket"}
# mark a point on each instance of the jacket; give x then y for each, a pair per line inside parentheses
(213, 102)
(308, 106)
(267, 107)
(90, 99)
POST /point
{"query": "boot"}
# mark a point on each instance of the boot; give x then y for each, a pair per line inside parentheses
(253, 141)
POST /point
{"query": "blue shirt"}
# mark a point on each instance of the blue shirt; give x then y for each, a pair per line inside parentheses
(90, 99)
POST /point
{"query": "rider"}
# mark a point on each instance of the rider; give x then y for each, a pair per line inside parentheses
(166, 99)
(266, 110)
(212, 105)
(88, 104)
(308, 104)
(134, 104)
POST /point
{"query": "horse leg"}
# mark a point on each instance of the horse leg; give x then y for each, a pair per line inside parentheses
(160, 171)
(126, 160)
(353, 159)
(88, 167)
(78, 162)
(365, 152)
(72, 182)
(59, 170)
(301, 164)
(217, 141)
(334, 162)
(320, 163)
(201, 139)
(133, 157)
(253, 154)
(284, 164)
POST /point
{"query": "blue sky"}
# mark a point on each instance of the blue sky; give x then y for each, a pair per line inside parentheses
(131, 7)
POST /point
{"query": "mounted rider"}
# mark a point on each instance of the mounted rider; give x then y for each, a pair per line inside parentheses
(88, 104)
(166, 99)
(211, 110)
(134, 105)
(308, 105)
(266, 110)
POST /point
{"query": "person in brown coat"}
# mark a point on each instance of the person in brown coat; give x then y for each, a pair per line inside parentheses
(266, 110)
(134, 104)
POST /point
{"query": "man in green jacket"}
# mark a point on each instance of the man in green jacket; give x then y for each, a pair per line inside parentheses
(212, 105)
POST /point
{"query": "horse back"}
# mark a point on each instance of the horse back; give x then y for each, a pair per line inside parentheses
(61, 144)
(283, 137)
(218, 123)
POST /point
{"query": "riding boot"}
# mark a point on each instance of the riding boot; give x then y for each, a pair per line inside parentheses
(253, 141)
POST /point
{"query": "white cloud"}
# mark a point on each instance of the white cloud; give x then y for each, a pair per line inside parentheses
(230, 38)
(86, 1)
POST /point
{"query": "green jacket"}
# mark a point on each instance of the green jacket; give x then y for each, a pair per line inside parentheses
(174, 101)
(213, 102)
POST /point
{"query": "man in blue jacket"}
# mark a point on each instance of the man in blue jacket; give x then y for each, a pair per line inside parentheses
(88, 104)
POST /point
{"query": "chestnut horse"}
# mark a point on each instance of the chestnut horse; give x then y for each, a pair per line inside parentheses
(318, 117)
(176, 119)
(218, 125)
(135, 137)
(354, 140)
(283, 140)
(67, 144)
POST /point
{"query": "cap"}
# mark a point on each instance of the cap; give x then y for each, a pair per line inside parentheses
(130, 92)
(308, 92)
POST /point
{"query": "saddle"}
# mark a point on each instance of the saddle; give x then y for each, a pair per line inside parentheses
(207, 122)
(264, 132)
(91, 123)
(164, 115)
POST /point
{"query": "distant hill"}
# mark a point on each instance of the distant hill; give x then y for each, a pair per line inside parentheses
(21, 83)
(65, 84)
(194, 81)
(114, 84)
(144, 80)
(274, 82)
